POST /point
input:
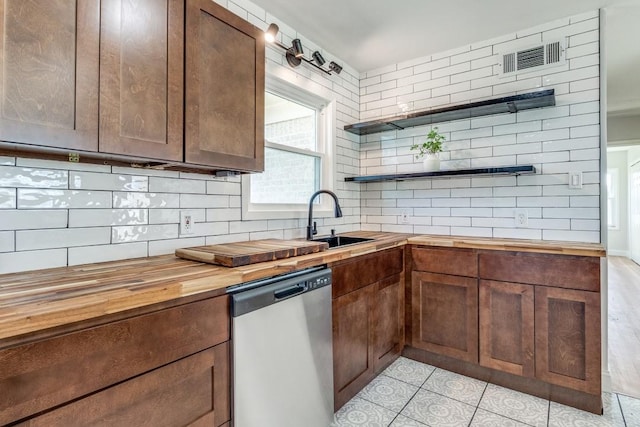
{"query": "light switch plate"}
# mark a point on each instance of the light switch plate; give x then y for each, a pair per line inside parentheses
(575, 180)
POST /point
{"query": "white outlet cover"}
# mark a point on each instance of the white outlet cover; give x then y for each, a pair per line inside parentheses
(186, 222)
(521, 218)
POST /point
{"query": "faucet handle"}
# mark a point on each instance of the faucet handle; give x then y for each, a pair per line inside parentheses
(315, 229)
(333, 232)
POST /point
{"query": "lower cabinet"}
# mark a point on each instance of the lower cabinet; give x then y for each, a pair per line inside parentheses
(368, 319)
(445, 314)
(168, 367)
(510, 316)
(568, 338)
(190, 391)
(507, 327)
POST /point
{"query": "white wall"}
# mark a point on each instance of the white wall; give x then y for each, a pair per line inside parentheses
(556, 140)
(54, 214)
(623, 129)
(618, 244)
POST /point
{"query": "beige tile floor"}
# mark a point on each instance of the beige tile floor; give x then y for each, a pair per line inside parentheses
(413, 394)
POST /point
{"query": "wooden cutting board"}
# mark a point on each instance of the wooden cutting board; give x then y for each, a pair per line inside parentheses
(250, 252)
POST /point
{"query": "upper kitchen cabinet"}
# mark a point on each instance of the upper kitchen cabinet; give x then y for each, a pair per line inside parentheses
(224, 115)
(49, 72)
(141, 78)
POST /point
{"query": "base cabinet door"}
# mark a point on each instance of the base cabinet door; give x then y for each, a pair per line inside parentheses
(224, 116)
(49, 52)
(568, 338)
(191, 391)
(353, 359)
(507, 327)
(388, 321)
(445, 315)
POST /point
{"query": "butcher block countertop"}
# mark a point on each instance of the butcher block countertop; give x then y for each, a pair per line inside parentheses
(516, 245)
(39, 300)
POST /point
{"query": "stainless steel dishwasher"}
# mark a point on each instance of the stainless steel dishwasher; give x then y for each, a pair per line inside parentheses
(282, 351)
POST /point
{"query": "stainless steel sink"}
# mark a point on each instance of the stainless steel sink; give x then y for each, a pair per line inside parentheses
(339, 241)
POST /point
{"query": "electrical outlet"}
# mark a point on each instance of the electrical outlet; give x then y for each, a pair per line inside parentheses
(522, 218)
(186, 222)
(575, 180)
(404, 218)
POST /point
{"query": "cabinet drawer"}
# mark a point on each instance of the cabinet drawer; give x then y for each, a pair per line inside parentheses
(561, 271)
(365, 270)
(43, 374)
(178, 394)
(458, 262)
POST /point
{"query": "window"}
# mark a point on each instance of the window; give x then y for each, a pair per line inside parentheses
(299, 132)
(613, 201)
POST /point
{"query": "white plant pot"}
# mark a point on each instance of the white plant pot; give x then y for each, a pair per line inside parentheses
(431, 162)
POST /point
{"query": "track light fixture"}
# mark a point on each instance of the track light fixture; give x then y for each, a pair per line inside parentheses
(317, 56)
(295, 53)
(271, 33)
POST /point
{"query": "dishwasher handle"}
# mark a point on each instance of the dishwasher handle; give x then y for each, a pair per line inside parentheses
(290, 291)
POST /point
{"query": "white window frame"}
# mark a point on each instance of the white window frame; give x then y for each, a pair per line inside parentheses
(313, 97)
(614, 213)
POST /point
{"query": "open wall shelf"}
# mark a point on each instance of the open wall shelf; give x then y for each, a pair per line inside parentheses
(509, 104)
(504, 170)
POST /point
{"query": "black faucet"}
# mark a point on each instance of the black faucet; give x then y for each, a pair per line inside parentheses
(311, 229)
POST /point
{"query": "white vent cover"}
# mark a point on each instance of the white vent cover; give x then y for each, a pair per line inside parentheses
(533, 58)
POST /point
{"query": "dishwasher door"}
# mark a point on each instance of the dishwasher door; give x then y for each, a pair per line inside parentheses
(283, 354)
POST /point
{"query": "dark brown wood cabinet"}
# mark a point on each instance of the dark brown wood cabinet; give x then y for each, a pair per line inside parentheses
(445, 314)
(368, 313)
(141, 78)
(568, 338)
(169, 367)
(507, 327)
(49, 73)
(177, 82)
(224, 86)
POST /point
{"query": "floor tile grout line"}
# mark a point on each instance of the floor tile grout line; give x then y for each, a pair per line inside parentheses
(405, 405)
(548, 412)
(624, 420)
(475, 411)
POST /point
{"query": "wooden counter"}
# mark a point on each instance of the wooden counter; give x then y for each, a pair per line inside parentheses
(515, 245)
(43, 299)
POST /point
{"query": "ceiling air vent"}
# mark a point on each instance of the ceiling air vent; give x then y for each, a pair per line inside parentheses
(533, 58)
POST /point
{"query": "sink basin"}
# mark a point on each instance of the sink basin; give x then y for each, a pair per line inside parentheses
(339, 241)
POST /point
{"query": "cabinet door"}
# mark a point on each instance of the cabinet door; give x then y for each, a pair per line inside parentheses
(352, 344)
(192, 391)
(568, 338)
(506, 327)
(388, 324)
(141, 78)
(224, 117)
(445, 315)
(49, 72)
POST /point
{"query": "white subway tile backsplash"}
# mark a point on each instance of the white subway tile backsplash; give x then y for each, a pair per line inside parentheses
(103, 253)
(62, 199)
(32, 219)
(517, 233)
(166, 247)
(7, 241)
(7, 198)
(585, 224)
(105, 217)
(27, 240)
(12, 262)
(146, 200)
(7, 161)
(104, 181)
(56, 164)
(175, 185)
(572, 235)
(133, 233)
(11, 176)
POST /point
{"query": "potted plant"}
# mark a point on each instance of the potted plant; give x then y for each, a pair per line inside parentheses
(430, 149)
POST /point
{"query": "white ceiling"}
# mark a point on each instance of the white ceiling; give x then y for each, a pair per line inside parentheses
(369, 34)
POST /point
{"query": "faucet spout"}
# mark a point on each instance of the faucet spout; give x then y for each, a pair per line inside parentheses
(311, 226)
